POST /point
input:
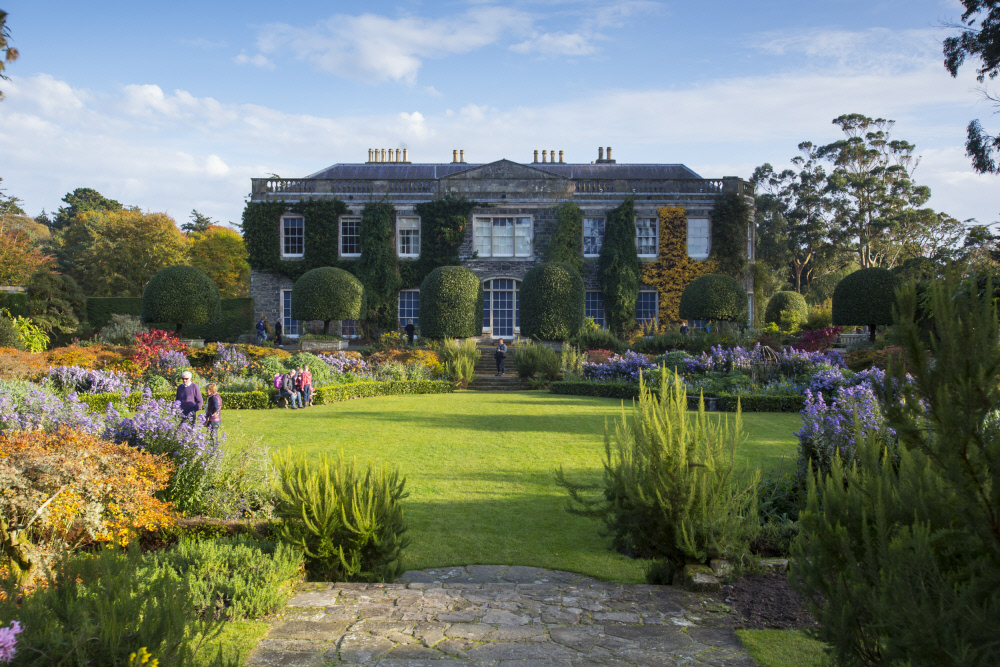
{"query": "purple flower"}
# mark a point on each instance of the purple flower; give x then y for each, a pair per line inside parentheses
(86, 380)
(169, 360)
(229, 360)
(339, 362)
(620, 367)
(8, 641)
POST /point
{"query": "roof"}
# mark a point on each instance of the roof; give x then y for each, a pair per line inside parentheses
(387, 171)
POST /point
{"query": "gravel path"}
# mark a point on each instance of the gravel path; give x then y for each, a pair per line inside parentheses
(500, 616)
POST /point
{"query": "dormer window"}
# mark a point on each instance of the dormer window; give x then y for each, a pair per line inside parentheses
(293, 240)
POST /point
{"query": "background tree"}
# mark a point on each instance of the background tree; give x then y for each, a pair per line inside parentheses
(220, 253)
(56, 303)
(115, 253)
(181, 295)
(21, 243)
(619, 268)
(871, 185)
(979, 39)
(199, 223)
(8, 53)
(80, 201)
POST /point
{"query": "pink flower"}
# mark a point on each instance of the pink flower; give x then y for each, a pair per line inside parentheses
(8, 639)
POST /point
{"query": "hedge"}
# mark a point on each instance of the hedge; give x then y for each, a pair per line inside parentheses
(715, 297)
(865, 297)
(15, 302)
(751, 403)
(237, 317)
(261, 400)
(782, 302)
(552, 302)
(600, 389)
(181, 294)
(724, 402)
(451, 303)
(327, 294)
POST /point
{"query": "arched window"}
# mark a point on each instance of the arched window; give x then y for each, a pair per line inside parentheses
(501, 307)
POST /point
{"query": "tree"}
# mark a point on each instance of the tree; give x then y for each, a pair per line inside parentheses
(115, 253)
(199, 223)
(8, 53)
(865, 297)
(983, 44)
(327, 294)
(871, 185)
(552, 302)
(181, 295)
(783, 302)
(82, 200)
(715, 297)
(221, 254)
(55, 303)
(619, 269)
(20, 247)
(451, 303)
(9, 205)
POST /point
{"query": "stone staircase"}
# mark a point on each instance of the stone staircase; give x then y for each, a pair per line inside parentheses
(486, 372)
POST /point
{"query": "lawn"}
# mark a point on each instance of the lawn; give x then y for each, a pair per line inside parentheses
(479, 468)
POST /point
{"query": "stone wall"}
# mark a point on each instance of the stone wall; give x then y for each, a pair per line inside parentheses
(265, 291)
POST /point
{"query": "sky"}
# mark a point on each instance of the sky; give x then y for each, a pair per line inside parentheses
(174, 106)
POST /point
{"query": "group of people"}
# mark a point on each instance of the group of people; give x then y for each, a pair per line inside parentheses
(262, 330)
(191, 400)
(295, 387)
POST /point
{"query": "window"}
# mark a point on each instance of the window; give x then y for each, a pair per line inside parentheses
(698, 244)
(501, 307)
(409, 308)
(503, 237)
(593, 236)
(350, 328)
(289, 326)
(645, 309)
(645, 237)
(595, 307)
(350, 236)
(408, 237)
(292, 236)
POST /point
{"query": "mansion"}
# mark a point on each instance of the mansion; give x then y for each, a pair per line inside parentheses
(505, 236)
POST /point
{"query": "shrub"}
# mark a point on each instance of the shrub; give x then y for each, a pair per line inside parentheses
(819, 339)
(670, 490)
(320, 371)
(534, 360)
(32, 335)
(20, 365)
(326, 294)
(566, 245)
(348, 523)
(74, 378)
(785, 301)
(600, 389)
(619, 269)
(451, 303)
(121, 330)
(150, 345)
(865, 297)
(181, 295)
(552, 302)
(628, 367)
(714, 297)
(458, 359)
(10, 335)
(598, 339)
(820, 316)
(378, 266)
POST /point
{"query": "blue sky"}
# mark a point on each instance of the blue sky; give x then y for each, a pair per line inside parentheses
(174, 106)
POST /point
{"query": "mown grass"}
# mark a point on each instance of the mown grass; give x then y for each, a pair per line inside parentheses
(479, 469)
(782, 648)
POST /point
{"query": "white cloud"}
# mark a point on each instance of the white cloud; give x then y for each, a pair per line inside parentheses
(557, 44)
(258, 60)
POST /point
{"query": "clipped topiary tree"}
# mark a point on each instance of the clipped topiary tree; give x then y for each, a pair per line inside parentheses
(619, 269)
(378, 266)
(327, 294)
(566, 245)
(865, 297)
(715, 297)
(785, 301)
(552, 302)
(451, 303)
(182, 295)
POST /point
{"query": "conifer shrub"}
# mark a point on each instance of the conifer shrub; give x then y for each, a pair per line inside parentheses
(865, 298)
(10, 335)
(783, 302)
(327, 294)
(347, 522)
(715, 297)
(378, 266)
(619, 269)
(566, 245)
(121, 330)
(537, 360)
(181, 295)
(899, 546)
(451, 303)
(671, 489)
(552, 302)
(458, 359)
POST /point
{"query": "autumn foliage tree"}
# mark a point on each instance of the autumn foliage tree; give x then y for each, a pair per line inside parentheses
(220, 253)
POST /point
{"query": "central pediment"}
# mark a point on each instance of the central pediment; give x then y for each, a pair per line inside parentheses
(505, 170)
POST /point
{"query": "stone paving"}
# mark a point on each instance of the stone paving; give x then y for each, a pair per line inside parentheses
(500, 616)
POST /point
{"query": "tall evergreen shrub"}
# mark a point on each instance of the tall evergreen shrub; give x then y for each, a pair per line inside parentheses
(327, 294)
(900, 550)
(451, 303)
(378, 266)
(181, 295)
(552, 302)
(865, 298)
(731, 220)
(619, 269)
(566, 246)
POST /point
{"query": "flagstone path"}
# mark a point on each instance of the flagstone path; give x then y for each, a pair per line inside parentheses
(500, 616)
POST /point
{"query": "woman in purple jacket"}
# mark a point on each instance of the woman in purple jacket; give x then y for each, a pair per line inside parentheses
(213, 411)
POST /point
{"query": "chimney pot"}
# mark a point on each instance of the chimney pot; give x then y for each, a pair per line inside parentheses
(369, 155)
(560, 157)
(398, 152)
(536, 156)
(406, 155)
(461, 156)
(609, 152)
(454, 156)
(600, 152)
(382, 153)
(545, 156)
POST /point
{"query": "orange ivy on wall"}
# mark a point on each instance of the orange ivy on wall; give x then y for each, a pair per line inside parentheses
(673, 270)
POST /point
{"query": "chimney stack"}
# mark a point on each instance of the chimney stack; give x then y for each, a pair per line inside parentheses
(560, 157)
(536, 155)
(461, 156)
(609, 152)
(406, 155)
(600, 153)
(545, 156)
(454, 156)
(369, 155)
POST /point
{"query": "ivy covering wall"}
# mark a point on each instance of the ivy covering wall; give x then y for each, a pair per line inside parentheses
(619, 269)
(731, 219)
(673, 269)
(378, 266)
(262, 235)
(442, 229)
(566, 246)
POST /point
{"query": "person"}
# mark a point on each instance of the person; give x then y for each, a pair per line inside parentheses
(288, 391)
(684, 328)
(261, 329)
(501, 355)
(306, 383)
(409, 329)
(213, 411)
(189, 396)
(277, 333)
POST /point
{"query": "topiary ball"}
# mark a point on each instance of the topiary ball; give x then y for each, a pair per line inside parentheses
(552, 302)
(181, 295)
(865, 298)
(451, 303)
(715, 297)
(785, 301)
(327, 294)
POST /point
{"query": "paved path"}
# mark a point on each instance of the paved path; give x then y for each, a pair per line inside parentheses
(500, 616)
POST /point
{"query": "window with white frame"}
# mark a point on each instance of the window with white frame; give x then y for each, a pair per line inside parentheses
(350, 236)
(409, 307)
(645, 237)
(293, 239)
(408, 237)
(645, 309)
(594, 307)
(698, 240)
(503, 237)
(289, 327)
(350, 328)
(593, 236)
